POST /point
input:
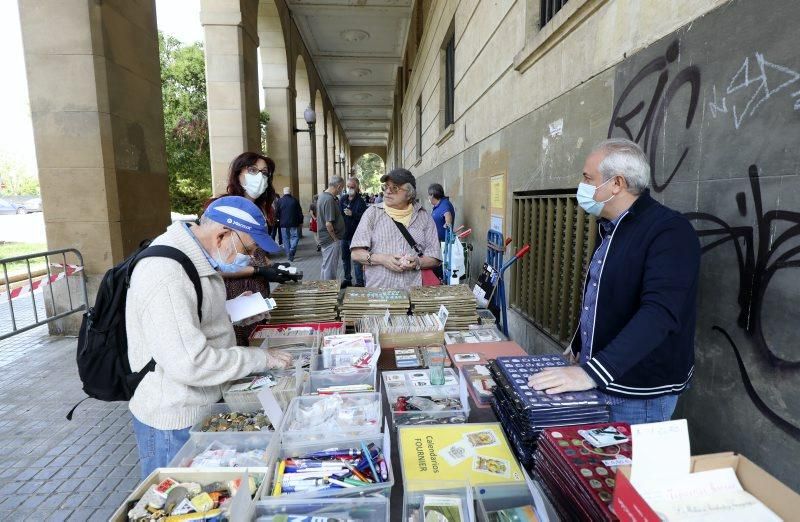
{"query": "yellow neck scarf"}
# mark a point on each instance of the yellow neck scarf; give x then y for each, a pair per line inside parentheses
(401, 215)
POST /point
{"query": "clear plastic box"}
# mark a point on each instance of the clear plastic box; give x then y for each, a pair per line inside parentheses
(321, 377)
(296, 429)
(413, 502)
(416, 383)
(239, 509)
(249, 401)
(374, 509)
(241, 442)
(286, 450)
(489, 499)
(226, 408)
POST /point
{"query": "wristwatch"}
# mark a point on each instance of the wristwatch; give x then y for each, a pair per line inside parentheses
(369, 258)
(419, 264)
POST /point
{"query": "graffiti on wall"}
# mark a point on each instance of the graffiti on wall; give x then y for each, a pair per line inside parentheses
(640, 114)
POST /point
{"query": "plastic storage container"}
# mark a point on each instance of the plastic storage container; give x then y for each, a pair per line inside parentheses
(417, 383)
(226, 408)
(239, 509)
(330, 418)
(247, 400)
(374, 509)
(451, 494)
(490, 499)
(199, 443)
(321, 377)
(287, 450)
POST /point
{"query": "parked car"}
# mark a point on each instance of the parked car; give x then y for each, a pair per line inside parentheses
(9, 207)
(33, 204)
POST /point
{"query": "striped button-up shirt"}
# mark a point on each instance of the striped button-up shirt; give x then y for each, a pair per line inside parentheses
(588, 311)
(378, 233)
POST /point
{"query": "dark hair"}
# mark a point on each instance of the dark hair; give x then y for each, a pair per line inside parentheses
(249, 159)
(436, 190)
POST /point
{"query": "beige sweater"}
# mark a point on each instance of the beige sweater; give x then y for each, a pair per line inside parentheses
(192, 358)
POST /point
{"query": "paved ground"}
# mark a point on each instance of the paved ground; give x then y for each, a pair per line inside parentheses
(53, 469)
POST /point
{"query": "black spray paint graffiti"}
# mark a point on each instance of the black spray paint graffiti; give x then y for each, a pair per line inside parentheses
(754, 254)
(650, 129)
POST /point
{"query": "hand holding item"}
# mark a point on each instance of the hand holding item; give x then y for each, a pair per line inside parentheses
(278, 360)
(348, 212)
(409, 262)
(391, 262)
(560, 380)
(273, 274)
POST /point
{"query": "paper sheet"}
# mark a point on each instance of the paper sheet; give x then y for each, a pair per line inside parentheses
(246, 306)
(660, 451)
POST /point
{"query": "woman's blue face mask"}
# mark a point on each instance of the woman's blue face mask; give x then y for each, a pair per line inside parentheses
(239, 260)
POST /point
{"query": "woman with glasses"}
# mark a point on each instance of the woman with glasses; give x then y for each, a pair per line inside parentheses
(250, 176)
(390, 259)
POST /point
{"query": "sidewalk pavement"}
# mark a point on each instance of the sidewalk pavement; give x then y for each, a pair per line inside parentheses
(51, 468)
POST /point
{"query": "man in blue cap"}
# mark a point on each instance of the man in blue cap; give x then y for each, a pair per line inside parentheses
(193, 357)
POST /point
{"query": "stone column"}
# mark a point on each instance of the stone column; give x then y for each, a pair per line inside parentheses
(277, 95)
(231, 44)
(94, 83)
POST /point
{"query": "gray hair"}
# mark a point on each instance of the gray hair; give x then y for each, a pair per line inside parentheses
(354, 180)
(335, 181)
(411, 191)
(624, 158)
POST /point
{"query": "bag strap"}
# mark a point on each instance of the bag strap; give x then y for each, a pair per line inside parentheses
(176, 255)
(409, 238)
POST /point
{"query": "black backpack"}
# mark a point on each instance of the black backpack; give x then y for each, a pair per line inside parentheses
(102, 353)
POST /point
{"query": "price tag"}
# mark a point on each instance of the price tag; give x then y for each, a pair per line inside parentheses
(443, 313)
(386, 317)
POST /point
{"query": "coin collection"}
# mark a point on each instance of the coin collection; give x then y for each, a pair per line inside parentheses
(361, 302)
(399, 324)
(236, 421)
(305, 301)
(458, 300)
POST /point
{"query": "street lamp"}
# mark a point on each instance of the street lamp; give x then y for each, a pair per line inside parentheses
(311, 120)
(340, 162)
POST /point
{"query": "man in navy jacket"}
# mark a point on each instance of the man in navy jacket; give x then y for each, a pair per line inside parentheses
(635, 340)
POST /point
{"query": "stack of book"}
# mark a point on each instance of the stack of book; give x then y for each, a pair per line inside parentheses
(525, 412)
(360, 302)
(305, 301)
(458, 299)
(576, 475)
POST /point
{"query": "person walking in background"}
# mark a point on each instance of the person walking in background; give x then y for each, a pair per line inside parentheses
(443, 214)
(290, 216)
(313, 224)
(352, 206)
(331, 227)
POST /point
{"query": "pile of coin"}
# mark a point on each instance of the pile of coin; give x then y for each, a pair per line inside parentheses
(237, 421)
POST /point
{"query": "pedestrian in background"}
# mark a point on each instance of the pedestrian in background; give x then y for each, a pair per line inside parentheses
(313, 225)
(443, 214)
(352, 206)
(290, 216)
(331, 227)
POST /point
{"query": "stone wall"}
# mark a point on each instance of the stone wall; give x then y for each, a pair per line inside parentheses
(715, 101)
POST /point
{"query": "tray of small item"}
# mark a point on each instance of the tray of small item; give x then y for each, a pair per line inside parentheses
(413, 400)
(227, 450)
(286, 508)
(439, 501)
(242, 394)
(312, 418)
(221, 417)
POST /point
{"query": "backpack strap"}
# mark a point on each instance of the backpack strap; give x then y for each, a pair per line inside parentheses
(176, 255)
(409, 238)
(188, 267)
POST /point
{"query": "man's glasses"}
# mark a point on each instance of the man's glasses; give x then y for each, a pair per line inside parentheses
(392, 189)
(255, 170)
(249, 250)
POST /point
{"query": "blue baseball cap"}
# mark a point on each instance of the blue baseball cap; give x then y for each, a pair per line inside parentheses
(238, 213)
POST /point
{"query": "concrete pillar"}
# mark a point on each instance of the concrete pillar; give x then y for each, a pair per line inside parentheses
(277, 95)
(231, 44)
(94, 83)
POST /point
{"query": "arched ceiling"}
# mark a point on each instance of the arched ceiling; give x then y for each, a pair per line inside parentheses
(357, 47)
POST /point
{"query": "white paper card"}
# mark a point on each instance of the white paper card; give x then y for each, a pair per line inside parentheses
(272, 409)
(246, 306)
(660, 451)
(443, 314)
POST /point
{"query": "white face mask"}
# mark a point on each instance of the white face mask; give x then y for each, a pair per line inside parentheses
(351, 192)
(255, 184)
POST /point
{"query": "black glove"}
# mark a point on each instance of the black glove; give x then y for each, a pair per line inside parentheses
(273, 275)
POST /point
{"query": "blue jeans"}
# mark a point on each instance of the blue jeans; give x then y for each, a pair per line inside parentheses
(357, 267)
(641, 411)
(291, 236)
(157, 448)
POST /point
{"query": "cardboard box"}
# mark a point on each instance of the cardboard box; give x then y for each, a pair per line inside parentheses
(629, 506)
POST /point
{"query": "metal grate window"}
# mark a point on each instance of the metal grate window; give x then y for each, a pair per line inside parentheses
(547, 285)
(548, 9)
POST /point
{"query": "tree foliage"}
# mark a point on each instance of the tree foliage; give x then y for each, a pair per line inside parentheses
(183, 88)
(369, 169)
(263, 124)
(15, 177)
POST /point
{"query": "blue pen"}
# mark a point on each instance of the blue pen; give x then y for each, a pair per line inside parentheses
(334, 453)
(369, 460)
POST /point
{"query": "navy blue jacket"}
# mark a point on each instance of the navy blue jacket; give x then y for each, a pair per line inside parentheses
(646, 305)
(290, 214)
(358, 206)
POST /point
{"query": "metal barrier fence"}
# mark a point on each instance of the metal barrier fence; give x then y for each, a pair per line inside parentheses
(49, 276)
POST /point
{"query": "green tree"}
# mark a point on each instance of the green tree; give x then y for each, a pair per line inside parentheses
(263, 124)
(183, 88)
(369, 169)
(15, 177)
